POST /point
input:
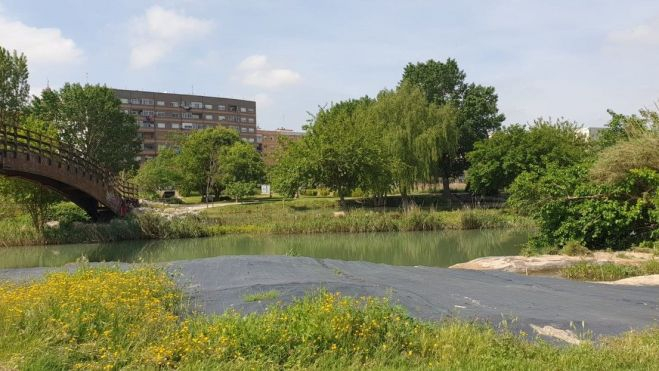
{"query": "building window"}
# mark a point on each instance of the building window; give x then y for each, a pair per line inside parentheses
(251, 130)
(221, 118)
(160, 103)
(233, 108)
(174, 104)
(196, 105)
(147, 102)
(251, 140)
(221, 107)
(208, 106)
(243, 109)
(175, 114)
(196, 116)
(243, 119)
(243, 130)
(161, 114)
(232, 118)
(162, 146)
(147, 113)
(124, 100)
(134, 101)
(176, 126)
(161, 125)
(186, 115)
(250, 120)
(250, 110)
(208, 117)
(187, 126)
(149, 146)
(147, 125)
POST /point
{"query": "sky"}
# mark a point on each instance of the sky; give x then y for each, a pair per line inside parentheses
(552, 59)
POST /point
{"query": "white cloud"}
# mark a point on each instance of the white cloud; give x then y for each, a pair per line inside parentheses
(642, 34)
(257, 71)
(40, 45)
(160, 31)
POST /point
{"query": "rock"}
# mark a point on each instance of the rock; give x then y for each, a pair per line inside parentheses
(649, 280)
(550, 263)
(339, 214)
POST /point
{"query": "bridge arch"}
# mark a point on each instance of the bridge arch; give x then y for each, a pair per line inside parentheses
(48, 162)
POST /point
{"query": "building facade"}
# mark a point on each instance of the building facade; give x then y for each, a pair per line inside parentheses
(161, 116)
(268, 141)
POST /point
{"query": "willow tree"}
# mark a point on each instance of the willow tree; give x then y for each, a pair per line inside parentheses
(417, 135)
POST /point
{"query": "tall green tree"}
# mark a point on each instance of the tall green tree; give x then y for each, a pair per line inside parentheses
(343, 152)
(292, 167)
(14, 88)
(497, 161)
(241, 169)
(89, 118)
(199, 159)
(14, 94)
(477, 111)
(159, 173)
(417, 135)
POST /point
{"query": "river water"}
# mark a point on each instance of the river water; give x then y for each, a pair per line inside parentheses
(436, 249)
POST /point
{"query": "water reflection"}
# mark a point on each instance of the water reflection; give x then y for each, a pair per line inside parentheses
(439, 249)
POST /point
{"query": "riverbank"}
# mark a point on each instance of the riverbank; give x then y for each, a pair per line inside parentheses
(431, 330)
(300, 216)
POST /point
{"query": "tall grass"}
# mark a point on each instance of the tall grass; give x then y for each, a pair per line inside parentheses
(609, 271)
(111, 319)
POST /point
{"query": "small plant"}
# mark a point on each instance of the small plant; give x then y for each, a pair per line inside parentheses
(575, 248)
(261, 296)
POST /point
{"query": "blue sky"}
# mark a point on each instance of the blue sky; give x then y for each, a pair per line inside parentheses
(571, 59)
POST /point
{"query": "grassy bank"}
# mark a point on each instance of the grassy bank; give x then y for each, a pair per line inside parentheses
(108, 319)
(306, 215)
(317, 215)
(609, 271)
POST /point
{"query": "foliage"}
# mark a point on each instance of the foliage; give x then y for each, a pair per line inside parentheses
(14, 87)
(568, 207)
(89, 118)
(241, 170)
(199, 159)
(292, 168)
(159, 173)
(575, 248)
(615, 162)
(67, 213)
(105, 318)
(497, 161)
(35, 200)
(608, 271)
(477, 113)
(622, 127)
(417, 135)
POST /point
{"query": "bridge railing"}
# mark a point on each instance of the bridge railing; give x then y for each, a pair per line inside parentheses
(15, 140)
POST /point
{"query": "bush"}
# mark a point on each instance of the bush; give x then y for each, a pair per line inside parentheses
(68, 212)
(608, 271)
(575, 248)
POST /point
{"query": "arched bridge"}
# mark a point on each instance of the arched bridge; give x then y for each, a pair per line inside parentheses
(45, 160)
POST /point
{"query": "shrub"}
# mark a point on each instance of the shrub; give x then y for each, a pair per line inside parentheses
(575, 248)
(67, 213)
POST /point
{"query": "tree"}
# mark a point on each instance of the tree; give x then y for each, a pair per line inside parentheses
(497, 161)
(241, 169)
(292, 167)
(14, 88)
(89, 118)
(199, 159)
(159, 173)
(343, 154)
(14, 92)
(417, 135)
(477, 112)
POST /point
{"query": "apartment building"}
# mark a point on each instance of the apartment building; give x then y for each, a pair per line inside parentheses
(161, 116)
(267, 141)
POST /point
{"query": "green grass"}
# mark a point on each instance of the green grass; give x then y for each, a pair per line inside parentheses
(609, 271)
(316, 215)
(261, 296)
(112, 319)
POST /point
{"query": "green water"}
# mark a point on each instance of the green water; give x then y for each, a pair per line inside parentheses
(438, 249)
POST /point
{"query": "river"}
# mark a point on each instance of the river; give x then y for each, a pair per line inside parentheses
(436, 249)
